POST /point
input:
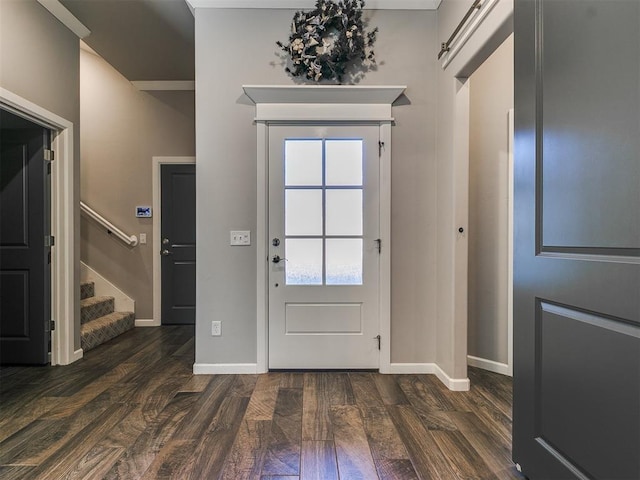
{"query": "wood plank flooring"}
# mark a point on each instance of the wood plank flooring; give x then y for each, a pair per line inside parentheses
(131, 409)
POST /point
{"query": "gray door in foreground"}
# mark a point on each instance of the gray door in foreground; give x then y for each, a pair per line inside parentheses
(24, 258)
(577, 239)
(178, 244)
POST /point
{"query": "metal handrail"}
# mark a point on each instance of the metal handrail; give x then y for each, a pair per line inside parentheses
(445, 46)
(130, 240)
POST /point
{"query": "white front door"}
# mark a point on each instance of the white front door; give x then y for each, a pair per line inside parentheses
(323, 246)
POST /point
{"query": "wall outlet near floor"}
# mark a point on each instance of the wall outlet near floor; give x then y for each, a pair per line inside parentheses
(216, 328)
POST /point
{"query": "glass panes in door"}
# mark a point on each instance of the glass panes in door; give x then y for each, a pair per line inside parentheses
(323, 211)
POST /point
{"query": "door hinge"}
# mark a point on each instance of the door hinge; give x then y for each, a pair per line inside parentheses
(49, 240)
(380, 148)
(49, 155)
(379, 244)
(379, 338)
(52, 325)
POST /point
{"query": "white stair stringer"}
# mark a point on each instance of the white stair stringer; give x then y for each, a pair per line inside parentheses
(103, 287)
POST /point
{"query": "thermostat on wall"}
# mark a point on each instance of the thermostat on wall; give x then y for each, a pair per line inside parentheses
(143, 212)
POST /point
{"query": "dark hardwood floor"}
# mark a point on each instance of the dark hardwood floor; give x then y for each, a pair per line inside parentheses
(131, 409)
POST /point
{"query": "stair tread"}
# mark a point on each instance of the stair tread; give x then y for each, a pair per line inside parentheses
(102, 329)
(105, 320)
(95, 307)
(95, 300)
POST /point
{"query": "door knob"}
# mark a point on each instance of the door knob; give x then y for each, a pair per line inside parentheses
(277, 259)
(165, 252)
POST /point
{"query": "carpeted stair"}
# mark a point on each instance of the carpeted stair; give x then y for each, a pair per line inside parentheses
(100, 323)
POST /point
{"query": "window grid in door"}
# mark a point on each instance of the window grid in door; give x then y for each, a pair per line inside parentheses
(324, 195)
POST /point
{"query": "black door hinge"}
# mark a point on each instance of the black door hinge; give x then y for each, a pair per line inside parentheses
(379, 338)
(52, 325)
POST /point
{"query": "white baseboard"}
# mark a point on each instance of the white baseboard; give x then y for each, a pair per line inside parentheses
(411, 368)
(492, 366)
(146, 322)
(66, 360)
(224, 368)
(454, 384)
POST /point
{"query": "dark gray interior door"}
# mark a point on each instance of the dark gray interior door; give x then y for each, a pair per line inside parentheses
(577, 239)
(24, 259)
(178, 248)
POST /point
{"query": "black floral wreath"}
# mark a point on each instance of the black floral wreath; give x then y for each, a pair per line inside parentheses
(325, 41)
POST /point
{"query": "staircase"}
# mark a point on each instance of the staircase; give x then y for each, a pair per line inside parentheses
(100, 323)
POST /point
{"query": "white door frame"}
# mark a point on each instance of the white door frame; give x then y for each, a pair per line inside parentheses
(64, 282)
(156, 321)
(299, 105)
(492, 24)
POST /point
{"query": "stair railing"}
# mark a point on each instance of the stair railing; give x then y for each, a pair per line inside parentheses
(130, 240)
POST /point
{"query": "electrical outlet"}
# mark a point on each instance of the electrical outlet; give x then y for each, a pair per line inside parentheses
(216, 328)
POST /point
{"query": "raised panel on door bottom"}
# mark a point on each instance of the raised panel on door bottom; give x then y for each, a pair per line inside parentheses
(584, 405)
(14, 303)
(323, 318)
(184, 294)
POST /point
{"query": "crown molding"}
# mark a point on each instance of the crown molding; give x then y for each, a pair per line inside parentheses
(67, 18)
(304, 103)
(324, 94)
(309, 4)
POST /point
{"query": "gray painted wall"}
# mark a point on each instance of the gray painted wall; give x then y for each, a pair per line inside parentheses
(236, 47)
(39, 61)
(491, 91)
(122, 129)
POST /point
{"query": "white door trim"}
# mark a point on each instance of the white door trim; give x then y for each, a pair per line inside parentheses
(510, 224)
(156, 321)
(321, 104)
(479, 40)
(64, 282)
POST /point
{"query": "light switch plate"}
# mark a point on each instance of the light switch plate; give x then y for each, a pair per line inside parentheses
(240, 237)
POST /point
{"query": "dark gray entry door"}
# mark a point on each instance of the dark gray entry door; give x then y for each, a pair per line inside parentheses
(178, 246)
(24, 259)
(577, 239)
